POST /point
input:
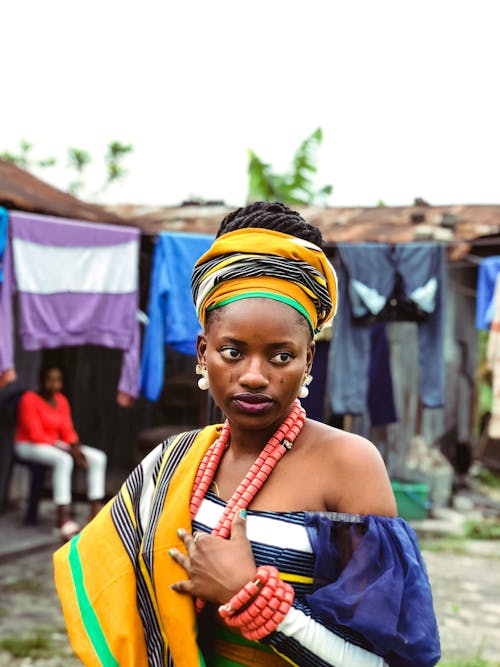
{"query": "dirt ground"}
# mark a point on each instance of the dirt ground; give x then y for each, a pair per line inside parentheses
(466, 588)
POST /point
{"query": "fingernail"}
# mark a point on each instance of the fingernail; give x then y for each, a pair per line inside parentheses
(171, 552)
(180, 532)
(243, 514)
(172, 587)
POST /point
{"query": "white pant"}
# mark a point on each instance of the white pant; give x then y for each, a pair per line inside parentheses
(62, 464)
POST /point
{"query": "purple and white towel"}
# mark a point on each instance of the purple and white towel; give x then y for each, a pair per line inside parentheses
(77, 284)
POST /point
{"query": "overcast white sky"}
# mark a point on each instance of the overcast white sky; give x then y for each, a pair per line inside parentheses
(407, 93)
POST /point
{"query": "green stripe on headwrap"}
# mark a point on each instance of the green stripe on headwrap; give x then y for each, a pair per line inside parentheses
(267, 295)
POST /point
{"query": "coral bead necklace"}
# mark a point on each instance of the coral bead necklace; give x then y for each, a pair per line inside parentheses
(277, 445)
(280, 442)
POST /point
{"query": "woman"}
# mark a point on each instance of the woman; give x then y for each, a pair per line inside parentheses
(271, 539)
(45, 434)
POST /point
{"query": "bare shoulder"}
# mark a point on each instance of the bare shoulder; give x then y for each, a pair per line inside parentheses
(357, 479)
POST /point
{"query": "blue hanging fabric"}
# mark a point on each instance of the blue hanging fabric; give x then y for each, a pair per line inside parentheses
(171, 312)
(4, 223)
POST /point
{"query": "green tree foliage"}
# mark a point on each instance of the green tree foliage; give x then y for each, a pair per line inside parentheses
(23, 158)
(78, 161)
(293, 187)
(114, 158)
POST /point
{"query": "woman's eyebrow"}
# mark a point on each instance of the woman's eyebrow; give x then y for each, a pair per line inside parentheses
(230, 339)
(274, 344)
(283, 343)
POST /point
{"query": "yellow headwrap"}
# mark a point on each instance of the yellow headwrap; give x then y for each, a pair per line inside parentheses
(256, 262)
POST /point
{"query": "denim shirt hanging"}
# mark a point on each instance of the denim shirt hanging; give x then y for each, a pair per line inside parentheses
(381, 282)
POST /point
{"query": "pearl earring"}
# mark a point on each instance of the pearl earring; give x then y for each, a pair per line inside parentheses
(203, 381)
(304, 391)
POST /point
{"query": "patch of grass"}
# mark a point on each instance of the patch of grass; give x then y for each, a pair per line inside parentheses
(36, 646)
(454, 545)
(468, 662)
(42, 642)
(22, 585)
(489, 478)
(484, 529)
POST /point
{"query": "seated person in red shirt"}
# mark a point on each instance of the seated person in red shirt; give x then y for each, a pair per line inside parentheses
(45, 434)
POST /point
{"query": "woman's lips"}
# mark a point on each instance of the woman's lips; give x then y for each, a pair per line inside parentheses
(252, 402)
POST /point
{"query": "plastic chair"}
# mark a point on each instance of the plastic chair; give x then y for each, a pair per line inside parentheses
(37, 470)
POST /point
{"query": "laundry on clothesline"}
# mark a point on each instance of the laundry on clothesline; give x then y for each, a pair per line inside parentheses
(77, 283)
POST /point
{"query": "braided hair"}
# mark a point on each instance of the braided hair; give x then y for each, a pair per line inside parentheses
(271, 215)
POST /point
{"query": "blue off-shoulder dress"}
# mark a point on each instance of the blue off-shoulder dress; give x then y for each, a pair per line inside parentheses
(362, 595)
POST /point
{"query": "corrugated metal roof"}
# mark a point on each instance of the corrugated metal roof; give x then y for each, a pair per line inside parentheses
(459, 226)
(22, 191)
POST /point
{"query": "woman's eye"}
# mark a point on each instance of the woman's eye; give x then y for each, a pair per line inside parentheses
(230, 353)
(281, 357)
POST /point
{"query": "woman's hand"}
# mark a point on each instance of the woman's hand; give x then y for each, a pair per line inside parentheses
(217, 568)
(78, 456)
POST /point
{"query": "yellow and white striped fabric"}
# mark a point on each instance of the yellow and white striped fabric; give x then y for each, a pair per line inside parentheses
(264, 263)
(114, 578)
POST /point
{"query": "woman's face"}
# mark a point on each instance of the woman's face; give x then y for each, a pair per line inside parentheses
(256, 352)
(52, 381)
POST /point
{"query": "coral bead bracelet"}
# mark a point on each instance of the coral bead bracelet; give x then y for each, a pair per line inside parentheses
(260, 606)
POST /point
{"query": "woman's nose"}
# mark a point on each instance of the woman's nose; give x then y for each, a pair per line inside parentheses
(253, 374)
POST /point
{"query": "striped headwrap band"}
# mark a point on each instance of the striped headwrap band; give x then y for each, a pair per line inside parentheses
(256, 262)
